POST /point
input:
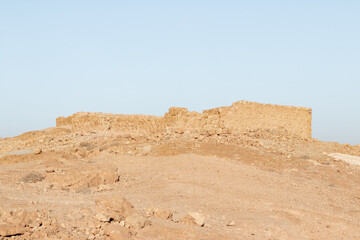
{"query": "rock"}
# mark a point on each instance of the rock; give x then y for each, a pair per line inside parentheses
(103, 187)
(179, 130)
(29, 219)
(117, 209)
(226, 131)
(7, 230)
(146, 149)
(102, 217)
(37, 151)
(50, 170)
(177, 217)
(218, 131)
(137, 221)
(115, 231)
(211, 132)
(204, 132)
(194, 218)
(232, 223)
(159, 213)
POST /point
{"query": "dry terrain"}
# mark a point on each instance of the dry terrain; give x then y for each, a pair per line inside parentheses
(60, 183)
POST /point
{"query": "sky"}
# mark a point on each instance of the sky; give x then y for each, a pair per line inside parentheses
(142, 57)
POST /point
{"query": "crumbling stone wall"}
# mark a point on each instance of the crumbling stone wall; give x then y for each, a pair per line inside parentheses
(242, 116)
(102, 122)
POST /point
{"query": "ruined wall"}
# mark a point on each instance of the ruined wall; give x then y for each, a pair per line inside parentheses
(252, 116)
(102, 122)
(242, 116)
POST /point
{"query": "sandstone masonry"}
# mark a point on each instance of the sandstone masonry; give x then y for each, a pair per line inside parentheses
(241, 116)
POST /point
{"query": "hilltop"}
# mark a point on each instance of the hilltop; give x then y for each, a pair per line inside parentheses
(246, 171)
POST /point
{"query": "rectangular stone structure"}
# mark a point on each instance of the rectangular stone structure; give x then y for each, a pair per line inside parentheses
(241, 116)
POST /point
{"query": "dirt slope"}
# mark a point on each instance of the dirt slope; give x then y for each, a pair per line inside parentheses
(61, 184)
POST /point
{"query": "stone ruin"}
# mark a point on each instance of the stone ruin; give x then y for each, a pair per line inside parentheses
(241, 116)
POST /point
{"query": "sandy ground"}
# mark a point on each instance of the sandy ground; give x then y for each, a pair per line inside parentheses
(249, 186)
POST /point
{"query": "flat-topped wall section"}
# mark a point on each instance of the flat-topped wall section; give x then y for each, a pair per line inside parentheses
(242, 116)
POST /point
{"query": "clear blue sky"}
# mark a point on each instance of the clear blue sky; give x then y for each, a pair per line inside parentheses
(62, 57)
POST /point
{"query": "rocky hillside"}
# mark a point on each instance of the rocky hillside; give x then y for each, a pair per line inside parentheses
(83, 183)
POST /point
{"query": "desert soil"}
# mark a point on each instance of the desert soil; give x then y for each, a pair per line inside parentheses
(60, 184)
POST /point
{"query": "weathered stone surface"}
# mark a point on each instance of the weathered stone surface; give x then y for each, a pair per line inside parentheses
(37, 151)
(136, 221)
(159, 213)
(103, 217)
(240, 117)
(115, 231)
(230, 224)
(117, 209)
(8, 230)
(194, 218)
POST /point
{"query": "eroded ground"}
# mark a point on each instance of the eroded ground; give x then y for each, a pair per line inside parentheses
(59, 184)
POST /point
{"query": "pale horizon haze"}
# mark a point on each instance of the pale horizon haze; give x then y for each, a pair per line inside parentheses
(142, 57)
